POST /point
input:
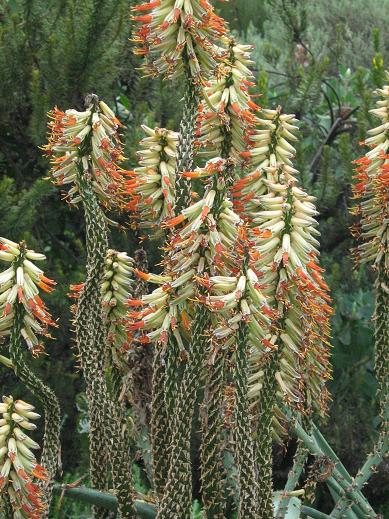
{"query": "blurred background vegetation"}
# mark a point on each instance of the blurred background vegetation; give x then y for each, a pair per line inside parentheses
(320, 59)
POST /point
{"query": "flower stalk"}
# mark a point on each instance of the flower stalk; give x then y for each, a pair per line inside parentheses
(86, 151)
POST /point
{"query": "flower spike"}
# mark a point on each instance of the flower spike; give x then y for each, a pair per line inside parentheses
(18, 466)
(19, 285)
(71, 134)
(371, 190)
(116, 288)
(176, 31)
(228, 107)
(152, 185)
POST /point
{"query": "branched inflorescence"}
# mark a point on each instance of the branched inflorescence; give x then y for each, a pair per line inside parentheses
(19, 469)
(277, 326)
(371, 190)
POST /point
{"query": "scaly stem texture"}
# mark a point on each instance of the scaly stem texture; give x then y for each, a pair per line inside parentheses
(90, 334)
(169, 371)
(108, 442)
(213, 486)
(244, 444)
(185, 148)
(51, 452)
(121, 462)
(158, 424)
(264, 442)
(382, 345)
(173, 375)
(177, 500)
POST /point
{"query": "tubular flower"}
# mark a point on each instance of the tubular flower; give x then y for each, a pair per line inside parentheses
(164, 310)
(286, 250)
(20, 284)
(19, 467)
(152, 184)
(371, 189)
(203, 238)
(116, 290)
(269, 146)
(237, 299)
(228, 108)
(176, 31)
(87, 142)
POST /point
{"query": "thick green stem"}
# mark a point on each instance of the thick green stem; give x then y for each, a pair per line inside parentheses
(159, 424)
(185, 147)
(177, 500)
(213, 486)
(102, 499)
(264, 442)
(51, 451)
(121, 465)
(108, 443)
(244, 443)
(340, 480)
(174, 372)
(382, 346)
(167, 370)
(90, 335)
(299, 461)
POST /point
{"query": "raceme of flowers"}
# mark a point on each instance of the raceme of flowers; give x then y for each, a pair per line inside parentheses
(174, 31)
(152, 186)
(371, 190)
(116, 290)
(269, 145)
(202, 239)
(283, 229)
(19, 468)
(20, 284)
(228, 108)
(87, 142)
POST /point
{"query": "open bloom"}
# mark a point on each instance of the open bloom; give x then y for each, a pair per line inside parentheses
(18, 466)
(152, 185)
(176, 31)
(19, 285)
(371, 190)
(87, 143)
(228, 107)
